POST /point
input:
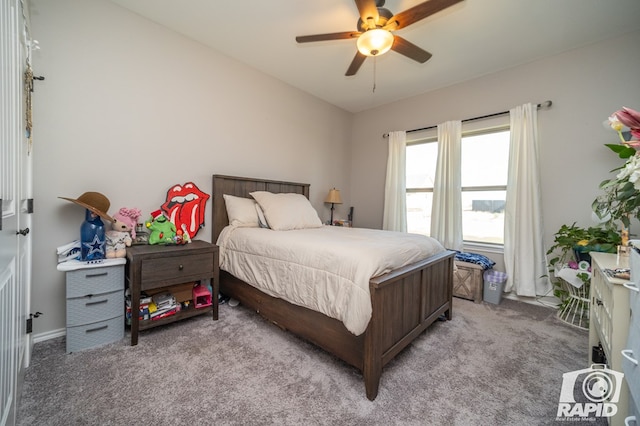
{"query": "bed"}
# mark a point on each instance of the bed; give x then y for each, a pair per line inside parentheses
(404, 301)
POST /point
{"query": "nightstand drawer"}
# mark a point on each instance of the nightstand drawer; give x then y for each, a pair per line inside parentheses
(82, 282)
(94, 334)
(176, 267)
(93, 308)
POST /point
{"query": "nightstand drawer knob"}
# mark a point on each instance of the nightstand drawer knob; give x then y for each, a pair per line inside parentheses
(181, 267)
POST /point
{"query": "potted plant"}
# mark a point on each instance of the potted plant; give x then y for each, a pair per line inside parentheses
(572, 245)
(578, 242)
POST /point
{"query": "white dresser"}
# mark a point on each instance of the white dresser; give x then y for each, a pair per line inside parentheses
(609, 319)
(95, 303)
(631, 352)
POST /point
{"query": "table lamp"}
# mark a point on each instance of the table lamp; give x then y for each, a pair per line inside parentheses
(333, 198)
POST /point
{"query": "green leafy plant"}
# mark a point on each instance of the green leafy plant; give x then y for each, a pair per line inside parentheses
(572, 244)
(571, 240)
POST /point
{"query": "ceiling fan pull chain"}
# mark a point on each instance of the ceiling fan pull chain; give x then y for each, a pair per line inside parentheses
(374, 74)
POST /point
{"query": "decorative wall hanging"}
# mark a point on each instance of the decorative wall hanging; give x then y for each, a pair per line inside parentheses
(185, 207)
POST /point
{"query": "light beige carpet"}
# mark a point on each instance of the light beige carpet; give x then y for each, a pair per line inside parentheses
(490, 365)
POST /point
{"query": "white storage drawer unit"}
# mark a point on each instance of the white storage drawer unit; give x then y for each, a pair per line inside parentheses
(609, 319)
(631, 353)
(95, 303)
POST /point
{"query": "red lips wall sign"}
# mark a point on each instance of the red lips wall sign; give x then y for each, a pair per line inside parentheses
(185, 205)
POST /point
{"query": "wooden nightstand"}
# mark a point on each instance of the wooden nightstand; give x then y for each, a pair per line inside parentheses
(157, 266)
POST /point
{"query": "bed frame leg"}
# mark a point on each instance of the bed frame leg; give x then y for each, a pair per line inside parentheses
(372, 362)
(372, 375)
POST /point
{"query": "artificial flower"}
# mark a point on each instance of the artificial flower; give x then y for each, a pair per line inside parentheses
(627, 117)
(631, 172)
(621, 198)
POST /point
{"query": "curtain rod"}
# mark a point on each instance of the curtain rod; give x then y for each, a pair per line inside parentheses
(545, 104)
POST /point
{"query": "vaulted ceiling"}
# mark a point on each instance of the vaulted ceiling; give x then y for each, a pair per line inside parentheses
(467, 40)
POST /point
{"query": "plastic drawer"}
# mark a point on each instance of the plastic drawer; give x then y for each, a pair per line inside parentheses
(98, 333)
(93, 308)
(83, 282)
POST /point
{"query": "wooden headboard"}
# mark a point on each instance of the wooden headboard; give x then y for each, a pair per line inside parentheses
(241, 187)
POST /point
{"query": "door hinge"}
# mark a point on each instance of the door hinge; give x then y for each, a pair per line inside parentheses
(30, 205)
(30, 321)
(0, 214)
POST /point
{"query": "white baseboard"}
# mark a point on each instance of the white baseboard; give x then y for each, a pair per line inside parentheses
(549, 301)
(41, 337)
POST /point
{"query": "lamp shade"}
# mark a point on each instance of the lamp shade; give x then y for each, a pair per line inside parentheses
(375, 42)
(333, 197)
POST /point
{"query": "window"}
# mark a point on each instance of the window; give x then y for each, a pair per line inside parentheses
(485, 158)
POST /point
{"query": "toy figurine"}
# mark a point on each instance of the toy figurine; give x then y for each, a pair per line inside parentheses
(122, 233)
(162, 230)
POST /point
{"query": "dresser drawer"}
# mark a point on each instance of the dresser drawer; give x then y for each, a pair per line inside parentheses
(175, 268)
(631, 370)
(94, 334)
(96, 307)
(101, 280)
(634, 408)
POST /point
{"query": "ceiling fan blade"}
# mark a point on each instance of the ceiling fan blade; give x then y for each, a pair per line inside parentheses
(330, 36)
(409, 50)
(367, 9)
(418, 12)
(355, 64)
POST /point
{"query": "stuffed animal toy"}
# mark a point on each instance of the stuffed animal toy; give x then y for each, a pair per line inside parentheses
(162, 230)
(122, 233)
(126, 220)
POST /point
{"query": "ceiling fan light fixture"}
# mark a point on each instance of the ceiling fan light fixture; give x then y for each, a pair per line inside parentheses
(375, 42)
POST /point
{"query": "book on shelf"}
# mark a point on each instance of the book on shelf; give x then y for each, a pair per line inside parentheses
(144, 300)
(165, 313)
(143, 314)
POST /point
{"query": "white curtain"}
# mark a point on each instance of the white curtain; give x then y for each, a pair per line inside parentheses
(395, 197)
(524, 254)
(446, 214)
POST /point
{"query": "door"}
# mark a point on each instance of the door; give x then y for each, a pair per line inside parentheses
(15, 190)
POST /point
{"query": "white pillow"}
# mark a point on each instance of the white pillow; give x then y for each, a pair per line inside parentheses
(286, 211)
(241, 211)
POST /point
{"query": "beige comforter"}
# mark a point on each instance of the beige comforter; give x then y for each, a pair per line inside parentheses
(326, 269)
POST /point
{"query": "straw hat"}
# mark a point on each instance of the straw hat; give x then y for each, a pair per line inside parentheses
(94, 201)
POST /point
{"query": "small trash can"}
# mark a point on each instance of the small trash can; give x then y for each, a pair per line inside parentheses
(494, 286)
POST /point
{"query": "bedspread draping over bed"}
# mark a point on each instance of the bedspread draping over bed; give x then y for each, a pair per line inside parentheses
(326, 269)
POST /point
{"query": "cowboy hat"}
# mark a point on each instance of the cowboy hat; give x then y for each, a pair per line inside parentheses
(94, 201)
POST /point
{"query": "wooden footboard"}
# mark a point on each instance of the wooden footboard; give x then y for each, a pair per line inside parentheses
(405, 302)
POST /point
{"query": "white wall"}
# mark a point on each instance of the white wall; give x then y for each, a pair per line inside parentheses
(129, 108)
(586, 85)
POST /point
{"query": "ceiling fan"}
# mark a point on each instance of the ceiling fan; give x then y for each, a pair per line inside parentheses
(375, 27)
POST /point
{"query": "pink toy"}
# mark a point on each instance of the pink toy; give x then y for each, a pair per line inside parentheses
(126, 220)
(122, 233)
